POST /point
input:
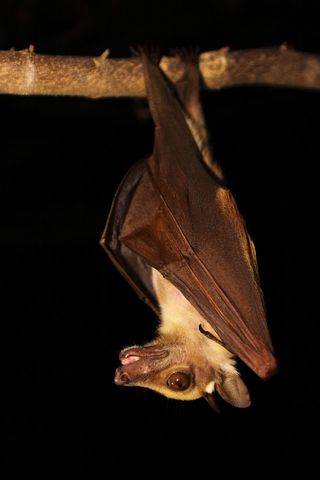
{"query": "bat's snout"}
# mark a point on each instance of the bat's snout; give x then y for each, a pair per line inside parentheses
(138, 362)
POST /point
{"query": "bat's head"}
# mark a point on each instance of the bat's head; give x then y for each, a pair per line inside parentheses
(183, 371)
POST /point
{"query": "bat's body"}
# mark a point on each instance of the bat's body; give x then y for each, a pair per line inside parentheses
(175, 233)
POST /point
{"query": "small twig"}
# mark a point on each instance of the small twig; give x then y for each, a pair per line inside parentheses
(27, 73)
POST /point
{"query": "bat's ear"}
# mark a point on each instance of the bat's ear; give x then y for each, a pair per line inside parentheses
(234, 391)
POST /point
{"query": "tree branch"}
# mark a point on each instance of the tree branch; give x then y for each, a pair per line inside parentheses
(27, 73)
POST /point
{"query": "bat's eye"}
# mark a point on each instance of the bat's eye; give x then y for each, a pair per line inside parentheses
(179, 381)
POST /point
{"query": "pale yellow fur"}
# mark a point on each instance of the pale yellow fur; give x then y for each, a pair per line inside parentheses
(180, 319)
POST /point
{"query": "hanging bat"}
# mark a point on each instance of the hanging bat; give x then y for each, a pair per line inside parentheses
(176, 235)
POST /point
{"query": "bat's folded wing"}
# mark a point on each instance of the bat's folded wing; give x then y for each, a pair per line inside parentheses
(172, 214)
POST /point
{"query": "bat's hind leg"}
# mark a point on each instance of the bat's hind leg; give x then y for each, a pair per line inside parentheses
(188, 91)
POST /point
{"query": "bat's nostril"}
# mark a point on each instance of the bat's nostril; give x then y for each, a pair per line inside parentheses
(121, 378)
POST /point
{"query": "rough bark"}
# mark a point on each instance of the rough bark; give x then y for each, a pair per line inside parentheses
(28, 73)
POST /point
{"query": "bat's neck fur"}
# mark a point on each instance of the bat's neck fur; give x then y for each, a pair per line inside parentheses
(178, 315)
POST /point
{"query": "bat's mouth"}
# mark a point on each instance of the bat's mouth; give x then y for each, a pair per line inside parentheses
(137, 362)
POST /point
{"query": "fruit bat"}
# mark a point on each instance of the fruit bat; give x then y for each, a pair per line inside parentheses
(175, 233)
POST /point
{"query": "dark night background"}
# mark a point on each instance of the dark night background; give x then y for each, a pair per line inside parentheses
(66, 312)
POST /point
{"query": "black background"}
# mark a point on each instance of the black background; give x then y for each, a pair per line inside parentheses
(65, 310)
